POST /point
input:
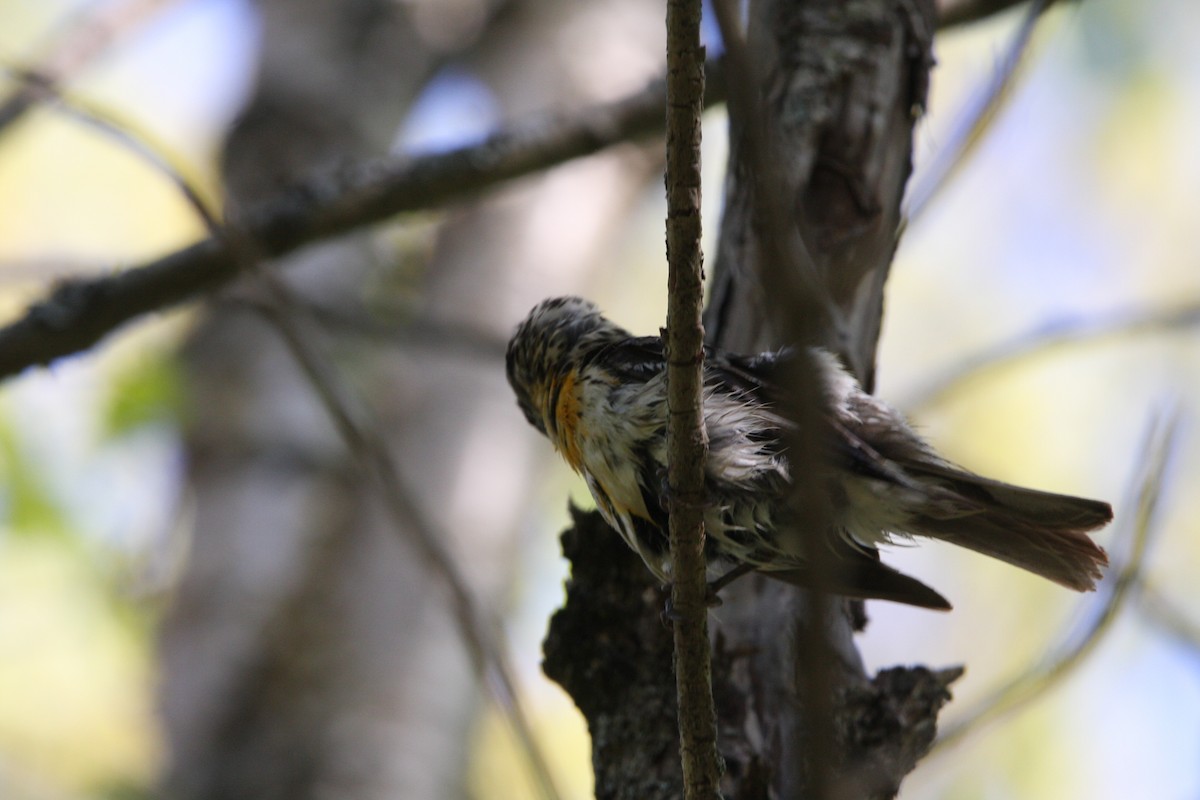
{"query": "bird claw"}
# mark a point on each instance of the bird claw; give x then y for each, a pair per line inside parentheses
(712, 599)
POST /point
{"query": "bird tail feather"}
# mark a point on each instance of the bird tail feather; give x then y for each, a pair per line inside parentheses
(1038, 531)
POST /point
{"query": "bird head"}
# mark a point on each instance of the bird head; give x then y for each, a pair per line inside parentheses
(551, 342)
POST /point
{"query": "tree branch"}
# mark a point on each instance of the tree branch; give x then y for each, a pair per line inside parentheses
(951, 13)
(974, 120)
(1053, 336)
(1074, 646)
(687, 439)
(1160, 611)
(78, 313)
(354, 424)
(83, 39)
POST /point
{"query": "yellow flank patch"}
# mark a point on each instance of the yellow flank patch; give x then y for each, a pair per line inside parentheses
(566, 417)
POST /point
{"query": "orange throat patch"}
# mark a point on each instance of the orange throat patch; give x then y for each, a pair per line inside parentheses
(566, 419)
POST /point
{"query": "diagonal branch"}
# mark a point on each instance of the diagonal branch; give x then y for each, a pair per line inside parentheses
(952, 13)
(124, 133)
(974, 120)
(1154, 606)
(1077, 644)
(86, 37)
(358, 431)
(1051, 336)
(78, 313)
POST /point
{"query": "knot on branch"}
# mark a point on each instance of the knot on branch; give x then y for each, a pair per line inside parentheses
(889, 724)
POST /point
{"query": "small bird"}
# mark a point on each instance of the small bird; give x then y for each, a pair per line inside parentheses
(600, 395)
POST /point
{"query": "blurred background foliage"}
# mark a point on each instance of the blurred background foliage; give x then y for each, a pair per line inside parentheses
(1080, 205)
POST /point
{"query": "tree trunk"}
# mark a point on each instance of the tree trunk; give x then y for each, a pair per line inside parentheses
(842, 84)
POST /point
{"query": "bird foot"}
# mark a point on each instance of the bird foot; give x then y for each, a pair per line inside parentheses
(712, 597)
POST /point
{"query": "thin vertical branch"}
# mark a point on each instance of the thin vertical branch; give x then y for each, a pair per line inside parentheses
(687, 440)
(790, 272)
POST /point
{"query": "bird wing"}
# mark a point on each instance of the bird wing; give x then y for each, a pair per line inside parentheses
(764, 376)
(634, 359)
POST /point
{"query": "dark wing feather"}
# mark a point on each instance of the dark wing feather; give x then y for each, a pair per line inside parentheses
(1042, 532)
(636, 359)
(860, 574)
(758, 377)
(640, 358)
(763, 376)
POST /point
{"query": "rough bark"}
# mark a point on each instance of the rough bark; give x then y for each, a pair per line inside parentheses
(608, 647)
(843, 84)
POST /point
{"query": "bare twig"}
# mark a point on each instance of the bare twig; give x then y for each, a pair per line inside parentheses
(357, 430)
(1082, 639)
(79, 42)
(156, 154)
(1168, 617)
(973, 121)
(79, 313)
(961, 12)
(1062, 333)
(687, 440)
(392, 327)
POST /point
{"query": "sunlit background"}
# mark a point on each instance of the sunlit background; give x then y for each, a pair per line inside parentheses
(1082, 205)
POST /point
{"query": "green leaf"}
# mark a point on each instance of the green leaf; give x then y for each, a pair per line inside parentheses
(149, 391)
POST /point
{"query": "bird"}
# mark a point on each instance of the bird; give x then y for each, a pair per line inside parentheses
(599, 394)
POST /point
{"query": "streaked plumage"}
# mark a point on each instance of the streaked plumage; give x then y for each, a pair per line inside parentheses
(599, 395)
